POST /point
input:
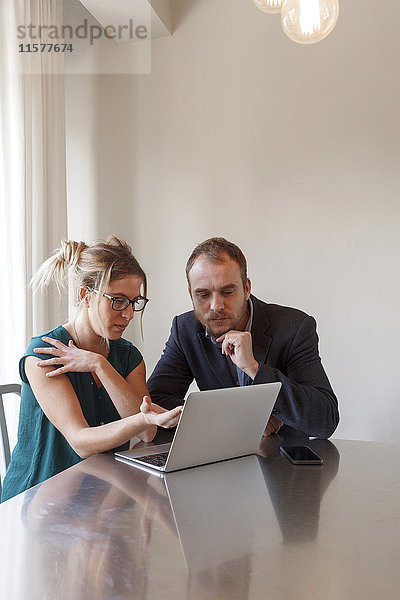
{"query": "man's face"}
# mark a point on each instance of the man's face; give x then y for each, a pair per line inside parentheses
(219, 299)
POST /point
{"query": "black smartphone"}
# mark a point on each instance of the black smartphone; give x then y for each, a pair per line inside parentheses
(301, 455)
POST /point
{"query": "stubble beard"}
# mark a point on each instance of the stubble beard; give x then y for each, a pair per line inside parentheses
(231, 323)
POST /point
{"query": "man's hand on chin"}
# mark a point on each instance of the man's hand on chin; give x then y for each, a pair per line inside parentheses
(238, 345)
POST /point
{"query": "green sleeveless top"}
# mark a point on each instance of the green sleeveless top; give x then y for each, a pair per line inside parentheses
(41, 450)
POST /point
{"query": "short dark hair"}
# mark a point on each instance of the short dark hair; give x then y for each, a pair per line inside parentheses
(214, 249)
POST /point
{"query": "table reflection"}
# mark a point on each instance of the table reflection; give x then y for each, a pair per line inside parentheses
(223, 515)
(106, 529)
(85, 533)
(296, 491)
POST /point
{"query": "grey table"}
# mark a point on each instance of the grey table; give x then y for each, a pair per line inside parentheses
(250, 528)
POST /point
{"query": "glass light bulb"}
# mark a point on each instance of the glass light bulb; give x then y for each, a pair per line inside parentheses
(309, 21)
(269, 6)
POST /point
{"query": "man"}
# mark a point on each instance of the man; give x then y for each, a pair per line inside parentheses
(232, 338)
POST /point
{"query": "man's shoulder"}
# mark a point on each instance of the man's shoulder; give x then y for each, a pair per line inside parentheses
(185, 331)
(277, 312)
(188, 321)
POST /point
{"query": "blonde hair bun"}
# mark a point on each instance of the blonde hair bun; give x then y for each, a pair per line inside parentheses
(70, 252)
(55, 268)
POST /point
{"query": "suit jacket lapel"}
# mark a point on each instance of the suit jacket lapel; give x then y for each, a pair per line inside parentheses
(259, 332)
(216, 361)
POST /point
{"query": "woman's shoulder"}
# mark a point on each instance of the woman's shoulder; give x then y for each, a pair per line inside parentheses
(58, 333)
(123, 346)
(125, 352)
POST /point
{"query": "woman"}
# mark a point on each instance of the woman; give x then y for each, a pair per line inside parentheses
(84, 386)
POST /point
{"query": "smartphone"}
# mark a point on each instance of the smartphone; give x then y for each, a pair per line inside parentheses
(301, 455)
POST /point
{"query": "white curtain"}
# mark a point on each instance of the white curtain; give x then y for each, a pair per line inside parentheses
(33, 216)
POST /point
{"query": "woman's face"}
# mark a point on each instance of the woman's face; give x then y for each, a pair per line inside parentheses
(114, 321)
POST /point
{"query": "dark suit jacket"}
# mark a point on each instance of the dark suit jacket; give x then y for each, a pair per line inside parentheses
(285, 344)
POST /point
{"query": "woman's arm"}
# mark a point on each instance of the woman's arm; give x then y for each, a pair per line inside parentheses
(57, 398)
(126, 394)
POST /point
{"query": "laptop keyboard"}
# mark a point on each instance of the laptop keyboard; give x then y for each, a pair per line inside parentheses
(156, 460)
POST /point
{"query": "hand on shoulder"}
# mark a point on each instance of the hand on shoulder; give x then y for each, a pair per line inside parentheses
(67, 358)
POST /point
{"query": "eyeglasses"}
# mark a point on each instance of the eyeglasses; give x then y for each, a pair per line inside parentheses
(121, 303)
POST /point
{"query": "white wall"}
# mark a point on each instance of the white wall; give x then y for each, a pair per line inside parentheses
(290, 151)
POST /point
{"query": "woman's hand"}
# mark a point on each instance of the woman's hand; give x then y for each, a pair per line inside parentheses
(153, 416)
(67, 358)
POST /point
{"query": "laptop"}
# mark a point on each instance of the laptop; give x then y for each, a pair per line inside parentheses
(215, 425)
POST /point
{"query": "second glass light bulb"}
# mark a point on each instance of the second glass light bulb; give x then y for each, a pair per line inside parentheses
(309, 21)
